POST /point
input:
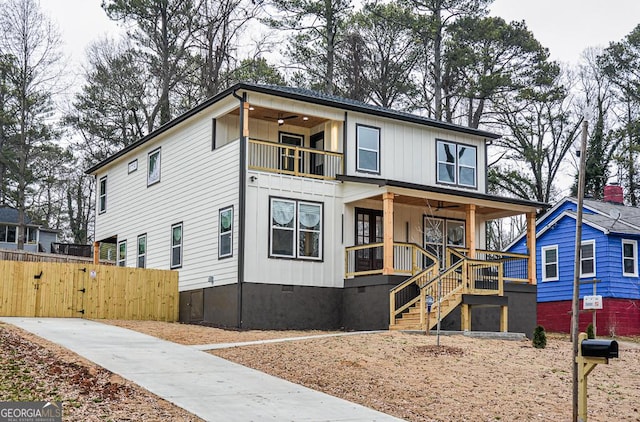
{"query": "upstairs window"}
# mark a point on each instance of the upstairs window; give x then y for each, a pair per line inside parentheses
(122, 253)
(629, 258)
(296, 229)
(153, 167)
(588, 259)
(225, 233)
(142, 251)
(457, 164)
(368, 146)
(176, 245)
(550, 263)
(102, 195)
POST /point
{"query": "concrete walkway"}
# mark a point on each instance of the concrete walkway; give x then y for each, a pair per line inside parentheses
(205, 385)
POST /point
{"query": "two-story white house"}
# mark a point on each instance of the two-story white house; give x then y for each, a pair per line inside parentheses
(286, 208)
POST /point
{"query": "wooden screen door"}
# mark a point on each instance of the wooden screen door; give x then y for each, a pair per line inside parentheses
(287, 155)
(369, 227)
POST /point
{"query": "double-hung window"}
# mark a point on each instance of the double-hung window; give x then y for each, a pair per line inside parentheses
(225, 233)
(102, 195)
(550, 263)
(122, 253)
(629, 258)
(368, 146)
(176, 245)
(457, 164)
(296, 229)
(142, 251)
(588, 258)
(153, 167)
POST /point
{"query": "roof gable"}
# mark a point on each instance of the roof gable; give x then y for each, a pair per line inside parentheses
(9, 215)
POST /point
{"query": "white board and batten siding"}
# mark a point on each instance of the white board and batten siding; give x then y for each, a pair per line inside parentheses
(260, 268)
(408, 150)
(195, 183)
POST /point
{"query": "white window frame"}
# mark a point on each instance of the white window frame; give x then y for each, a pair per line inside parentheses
(361, 148)
(456, 164)
(634, 244)
(152, 180)
(102, 196)
(543, 257)
(179, 246)
(296, 230)
(227, 233)
(143, 255)
(122, 260)
(593, 245)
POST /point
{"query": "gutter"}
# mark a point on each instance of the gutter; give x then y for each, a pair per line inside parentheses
(241, 205)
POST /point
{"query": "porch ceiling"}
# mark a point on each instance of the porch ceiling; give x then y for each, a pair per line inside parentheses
(272, 115)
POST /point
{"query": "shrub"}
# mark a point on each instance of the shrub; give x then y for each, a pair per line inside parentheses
(539, 338)
(590, 331)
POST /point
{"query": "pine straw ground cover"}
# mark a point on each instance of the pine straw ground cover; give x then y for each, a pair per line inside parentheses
(406, 375)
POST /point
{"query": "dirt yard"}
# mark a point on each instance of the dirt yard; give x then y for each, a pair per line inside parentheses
(405, 375)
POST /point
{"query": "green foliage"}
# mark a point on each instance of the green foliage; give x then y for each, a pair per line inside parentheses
(591, 332)
(539, 338)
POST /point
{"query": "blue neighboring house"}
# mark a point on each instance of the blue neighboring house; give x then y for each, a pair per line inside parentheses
(609, 255)
(37, 238)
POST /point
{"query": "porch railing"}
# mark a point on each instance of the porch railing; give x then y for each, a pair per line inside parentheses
(296, 161)
(408, 259)
(515, 267)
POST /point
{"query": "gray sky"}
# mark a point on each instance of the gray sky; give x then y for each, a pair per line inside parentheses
(566, 27)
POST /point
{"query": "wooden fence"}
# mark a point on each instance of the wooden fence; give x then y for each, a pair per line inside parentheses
(64, 290)
(18, 255)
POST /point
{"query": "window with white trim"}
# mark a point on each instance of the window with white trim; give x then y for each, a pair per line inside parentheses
(457, 164)
(296, 229)
(588, 258)
(368, 149)
(142, 251)
(550, 263)
(629, 258)
(153, 167)
(102, 195)
(122, 253)
(225, 232)
(176, 246)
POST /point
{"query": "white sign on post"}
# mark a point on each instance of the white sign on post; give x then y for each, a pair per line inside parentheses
(592, 302)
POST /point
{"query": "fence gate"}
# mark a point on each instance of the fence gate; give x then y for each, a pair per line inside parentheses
(65, 290)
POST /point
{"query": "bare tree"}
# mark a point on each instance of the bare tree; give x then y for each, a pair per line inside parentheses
(32, 42)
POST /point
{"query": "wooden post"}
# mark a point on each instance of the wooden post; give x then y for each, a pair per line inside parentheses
(245, 120)
(387, 210)
(96, 253)
(504, 319)
(531, 246)
(466, 317)
(471, 230)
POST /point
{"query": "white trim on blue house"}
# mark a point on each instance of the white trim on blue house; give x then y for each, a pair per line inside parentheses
(593, 258)
(544, 263)
(634, 258)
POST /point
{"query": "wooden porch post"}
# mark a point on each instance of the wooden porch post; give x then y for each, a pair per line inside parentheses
(531, 246)
(471, 230)
(387, 215)
(465, 317)
(504, 319)
(245, 120)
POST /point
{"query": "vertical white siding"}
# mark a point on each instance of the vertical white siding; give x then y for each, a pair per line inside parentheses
(195, 183)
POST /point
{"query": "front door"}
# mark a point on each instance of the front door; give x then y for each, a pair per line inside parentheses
(317, 160)
(369, 230)
(441, 233)
(287, 155)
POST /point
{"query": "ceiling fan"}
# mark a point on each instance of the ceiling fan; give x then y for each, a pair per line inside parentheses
(281, 118)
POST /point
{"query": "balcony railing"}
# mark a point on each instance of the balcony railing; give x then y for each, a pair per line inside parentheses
(408, 259)
(515, 267)
(296, 161)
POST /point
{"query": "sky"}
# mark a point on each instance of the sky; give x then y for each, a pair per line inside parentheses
(566, 27)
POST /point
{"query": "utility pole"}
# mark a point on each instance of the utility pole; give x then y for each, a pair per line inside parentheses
(575, 315)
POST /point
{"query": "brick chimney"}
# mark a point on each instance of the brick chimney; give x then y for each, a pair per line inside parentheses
(613, 193)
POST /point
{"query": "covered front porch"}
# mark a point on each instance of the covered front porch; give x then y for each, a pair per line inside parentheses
(435, 238)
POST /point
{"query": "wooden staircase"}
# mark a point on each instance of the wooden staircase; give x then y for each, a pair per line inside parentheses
(411, 318)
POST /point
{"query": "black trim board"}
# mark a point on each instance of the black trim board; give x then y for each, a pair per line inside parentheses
(442, 190)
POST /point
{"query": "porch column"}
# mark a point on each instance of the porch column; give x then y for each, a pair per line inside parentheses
(471, 230)
(387, 216)
(531, 246)
(465, 317)
(245, 119)
(504, 319)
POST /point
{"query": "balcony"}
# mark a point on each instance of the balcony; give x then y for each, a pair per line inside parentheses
(294, 160)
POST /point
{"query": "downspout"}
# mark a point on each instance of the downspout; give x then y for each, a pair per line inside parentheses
(241, 205)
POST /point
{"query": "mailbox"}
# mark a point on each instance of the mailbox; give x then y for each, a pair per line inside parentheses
(599, 348)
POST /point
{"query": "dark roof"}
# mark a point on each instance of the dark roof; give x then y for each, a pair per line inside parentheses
(10, 215)
(447, 191)
(301, 95)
